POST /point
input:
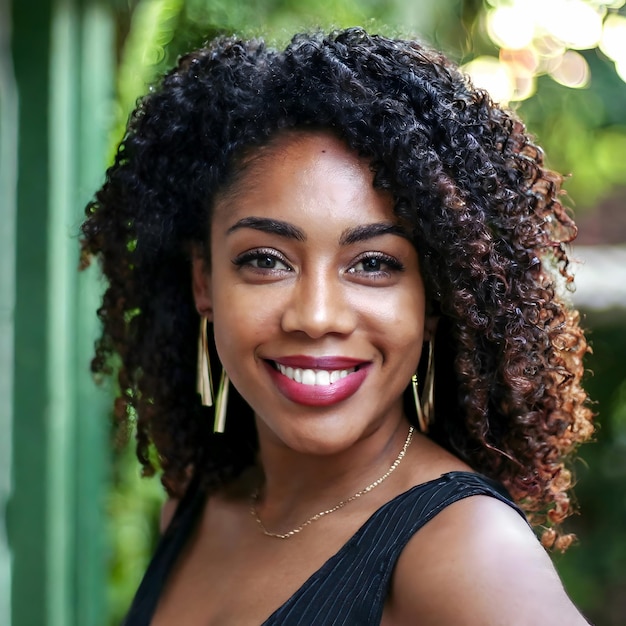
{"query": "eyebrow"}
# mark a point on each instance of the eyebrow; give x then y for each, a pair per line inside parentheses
(369, 231)
(348, 236)
(275, 227)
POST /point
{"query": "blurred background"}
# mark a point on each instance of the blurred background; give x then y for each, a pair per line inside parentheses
(77, 524)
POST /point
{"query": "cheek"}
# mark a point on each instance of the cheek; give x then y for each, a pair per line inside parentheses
(241, 322)
(399, 315)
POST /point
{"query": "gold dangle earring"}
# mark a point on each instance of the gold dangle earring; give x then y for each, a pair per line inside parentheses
(428, 394)
(220, 403)
(418, 405)
(204, 381)
(425, 403)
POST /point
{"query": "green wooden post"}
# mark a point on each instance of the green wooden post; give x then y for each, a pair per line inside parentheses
(96, 104)
(8, 192)
(61, 54)
(27, 506)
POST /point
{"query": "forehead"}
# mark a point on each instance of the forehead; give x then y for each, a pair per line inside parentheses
(303, 172)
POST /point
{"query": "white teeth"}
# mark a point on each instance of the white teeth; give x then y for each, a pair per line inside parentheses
(322, 378)
(308, 377)
(314, 377)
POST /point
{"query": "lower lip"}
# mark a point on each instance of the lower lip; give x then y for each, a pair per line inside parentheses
(318, 395)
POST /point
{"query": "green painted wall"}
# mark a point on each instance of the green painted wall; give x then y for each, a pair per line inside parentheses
(8, 183)
(56, 473)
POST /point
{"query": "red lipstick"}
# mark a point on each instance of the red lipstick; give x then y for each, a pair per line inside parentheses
(303, 361)
(319, 394)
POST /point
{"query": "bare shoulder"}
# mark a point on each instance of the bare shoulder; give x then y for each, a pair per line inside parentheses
(478, 562)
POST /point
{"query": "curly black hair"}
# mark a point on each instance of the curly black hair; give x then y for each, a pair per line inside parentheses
(486, 218)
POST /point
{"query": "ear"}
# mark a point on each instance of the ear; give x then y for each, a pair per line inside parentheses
(430, 327)
(201, 283)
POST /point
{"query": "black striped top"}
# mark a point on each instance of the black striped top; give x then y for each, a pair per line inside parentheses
(351, 587)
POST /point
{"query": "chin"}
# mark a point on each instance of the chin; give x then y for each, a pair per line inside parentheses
(323, 439)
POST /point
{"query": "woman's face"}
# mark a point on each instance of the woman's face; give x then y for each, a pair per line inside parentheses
(315, 294)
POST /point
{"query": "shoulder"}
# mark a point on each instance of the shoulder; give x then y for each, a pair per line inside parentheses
(478, 562)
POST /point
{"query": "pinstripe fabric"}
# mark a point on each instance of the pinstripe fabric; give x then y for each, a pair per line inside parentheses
(350, 588)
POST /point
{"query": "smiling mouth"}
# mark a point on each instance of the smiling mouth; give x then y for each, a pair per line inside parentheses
(313, 377)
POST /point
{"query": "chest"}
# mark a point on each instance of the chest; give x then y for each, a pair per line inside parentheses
(244, 578)
(339, 570)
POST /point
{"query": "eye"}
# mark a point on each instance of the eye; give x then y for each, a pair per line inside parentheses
(372, 264)
(267, 262)
(263, 261)
(376, 264)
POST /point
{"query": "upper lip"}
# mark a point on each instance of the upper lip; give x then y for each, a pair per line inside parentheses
(302, 361)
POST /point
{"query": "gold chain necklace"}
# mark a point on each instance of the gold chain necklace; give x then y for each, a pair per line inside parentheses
(255, 497)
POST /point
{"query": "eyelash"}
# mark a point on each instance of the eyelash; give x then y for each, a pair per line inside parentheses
(247, 259)
(393, 265)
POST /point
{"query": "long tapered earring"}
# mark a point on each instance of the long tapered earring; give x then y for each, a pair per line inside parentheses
(428, 393)
(425, 402)
(204, 381)
(421, 422)
(221, 402)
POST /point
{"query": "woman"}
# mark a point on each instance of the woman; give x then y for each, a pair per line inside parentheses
(342, 219)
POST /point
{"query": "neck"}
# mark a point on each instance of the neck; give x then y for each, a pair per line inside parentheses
(297, 484)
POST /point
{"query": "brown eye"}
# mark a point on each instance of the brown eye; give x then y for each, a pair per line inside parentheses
(265, 262)
(372, 265)
(376, 264)
(262, 260)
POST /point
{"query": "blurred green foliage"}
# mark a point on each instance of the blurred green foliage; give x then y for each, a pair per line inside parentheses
(583, 131)
(594, 570)
(133, 505)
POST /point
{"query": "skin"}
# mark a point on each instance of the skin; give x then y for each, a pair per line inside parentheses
(312, 287)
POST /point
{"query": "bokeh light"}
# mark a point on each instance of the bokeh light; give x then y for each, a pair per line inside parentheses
(542, 37)
(613, 41)
(576, 23)
(572, 70)
(489, 73)
(511, 26)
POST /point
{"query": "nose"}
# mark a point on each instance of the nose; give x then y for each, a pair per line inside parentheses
(319, 305)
